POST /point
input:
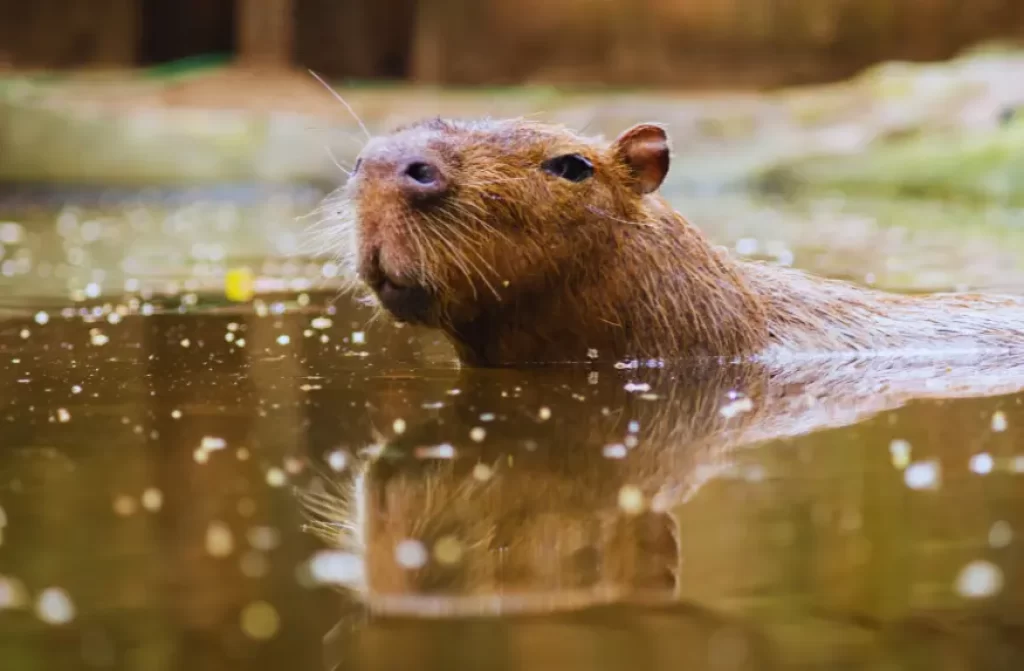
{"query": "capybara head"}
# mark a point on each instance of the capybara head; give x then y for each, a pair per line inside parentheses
(442, 220)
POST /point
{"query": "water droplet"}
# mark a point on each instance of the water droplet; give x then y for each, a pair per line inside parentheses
(337, 460)
(979, 579)
(260, 621)
(12, 593)
(63, 416)
(54, 606)
(922, 475)
(631, 500)
(219, 540)
(411, 554)
(544, 414)
(617, 451)
(152, 499)
(336, 568)
(477, 434)
(999, 421)
(899, 450)
(448, 550)
(212, 443)
(399, 426)
(283, 339)
(276, 477)
(124, 506)
(263, 538)
(982, 463)
(1000, 535)
(42, 318)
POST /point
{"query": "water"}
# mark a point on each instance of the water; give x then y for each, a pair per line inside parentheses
(155, 439)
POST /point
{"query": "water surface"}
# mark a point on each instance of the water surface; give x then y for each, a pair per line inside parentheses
(156, 438)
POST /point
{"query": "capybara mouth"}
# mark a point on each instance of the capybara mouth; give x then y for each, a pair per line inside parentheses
(407, 303)
(406, 300)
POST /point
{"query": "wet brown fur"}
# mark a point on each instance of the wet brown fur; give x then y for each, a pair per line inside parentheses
(527, 267)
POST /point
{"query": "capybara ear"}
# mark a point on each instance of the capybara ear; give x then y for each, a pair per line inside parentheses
(644, 150)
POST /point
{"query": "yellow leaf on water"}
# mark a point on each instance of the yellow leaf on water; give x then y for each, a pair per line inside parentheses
(238, 285)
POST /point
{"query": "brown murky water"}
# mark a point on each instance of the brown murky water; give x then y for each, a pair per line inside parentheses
(156, 438)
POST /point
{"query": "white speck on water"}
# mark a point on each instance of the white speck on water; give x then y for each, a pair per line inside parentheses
(124, 506)
(254, 564)
(899, 450)
(212, 443)
(982, 463)
(736, 407)
(482, 472)
(337, 460)
(54, 606)
(922, 475)
(97, 338)
(637, 386)
(276, 477)
(617, 451)
(448, 550)
(93, 290)
(12, 593)
(175, 414)
(1000, 535)
(443, 451)
(263, 538)
(220, 542)
(487, 417)
(152, 499)
(544, 414)
(477, 434)
(185, 342)
(76, 389)
(330, 567)
(410, 554)
(592, 353)
(999, 421)
(63, 416)
(398, 426)
(260, 621)
(42, 318)
(979, 579)
(25, 334)
(321, 323)
(358, 338)
(283, 339)
(631, 500)
(10, 232)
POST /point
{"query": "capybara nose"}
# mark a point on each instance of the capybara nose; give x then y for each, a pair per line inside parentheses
(422, 179)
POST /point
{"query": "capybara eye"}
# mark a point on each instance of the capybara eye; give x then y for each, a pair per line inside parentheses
(572, 167)
(423, 173)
